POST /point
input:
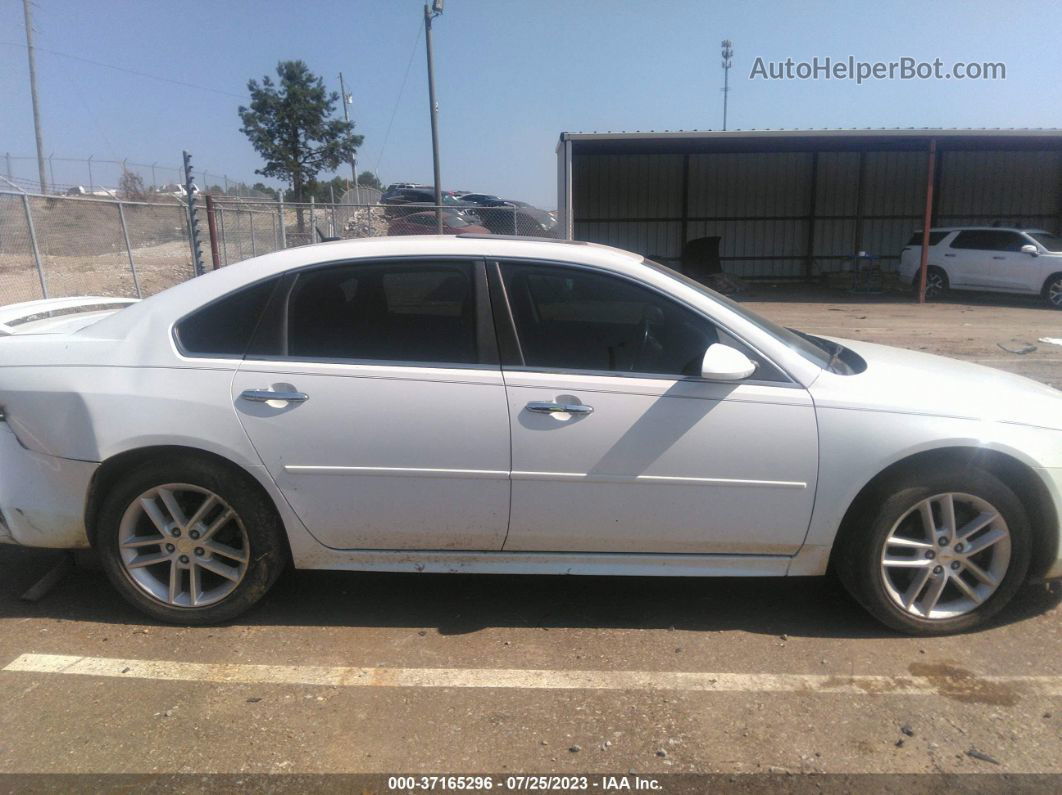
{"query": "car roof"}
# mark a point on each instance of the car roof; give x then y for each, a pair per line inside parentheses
(191, 294)
(983, 229)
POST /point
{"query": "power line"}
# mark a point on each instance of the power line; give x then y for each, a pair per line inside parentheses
(128, 71)
(398, 99)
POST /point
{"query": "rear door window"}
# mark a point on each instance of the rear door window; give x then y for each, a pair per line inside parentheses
(988, 240)
(417, 313)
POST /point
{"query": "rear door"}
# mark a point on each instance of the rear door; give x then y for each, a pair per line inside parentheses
(373, 395)
(992, 258)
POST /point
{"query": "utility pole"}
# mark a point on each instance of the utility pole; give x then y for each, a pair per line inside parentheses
(430, 14)
(33, 92)
(728, 54)
(347, 100)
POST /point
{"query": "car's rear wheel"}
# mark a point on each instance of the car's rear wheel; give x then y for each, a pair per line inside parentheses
(190, 541)
(936, 283)
(937, 553)
(1053, 291)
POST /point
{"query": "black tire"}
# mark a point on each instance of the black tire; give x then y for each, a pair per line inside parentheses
(937, 284)
(266, 553)
(1052, 291)
(861, 542)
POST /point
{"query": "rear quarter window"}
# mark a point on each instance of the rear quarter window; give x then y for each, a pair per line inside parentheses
(225, 327)
(934, 238)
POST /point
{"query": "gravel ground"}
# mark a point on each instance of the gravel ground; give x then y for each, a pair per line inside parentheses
(965, 723)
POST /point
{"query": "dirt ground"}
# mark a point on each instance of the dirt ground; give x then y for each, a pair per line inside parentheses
(989, 329)
(977, 711)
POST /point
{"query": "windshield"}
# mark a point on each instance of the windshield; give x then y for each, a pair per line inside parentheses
(820, 353)
(1047, 240)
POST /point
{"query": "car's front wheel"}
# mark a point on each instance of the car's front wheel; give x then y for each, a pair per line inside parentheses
(190, 541)
(937, 553)
(1053, 291)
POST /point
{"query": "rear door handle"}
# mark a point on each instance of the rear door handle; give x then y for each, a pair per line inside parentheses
(949, 255)
(545, 407)
(265, 395)
(998, 257)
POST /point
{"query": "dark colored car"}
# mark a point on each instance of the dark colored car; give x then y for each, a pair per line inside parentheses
(424, 223)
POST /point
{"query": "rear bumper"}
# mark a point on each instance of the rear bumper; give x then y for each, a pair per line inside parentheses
(42, 498)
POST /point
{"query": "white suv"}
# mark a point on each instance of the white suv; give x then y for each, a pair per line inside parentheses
(994, 258)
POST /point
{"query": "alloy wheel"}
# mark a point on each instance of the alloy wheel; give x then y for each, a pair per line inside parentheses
(945, 556)
(934, 285)
(1054, 293)
(183, 545)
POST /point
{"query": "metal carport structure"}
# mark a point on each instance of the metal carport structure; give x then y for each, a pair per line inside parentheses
(793, 204)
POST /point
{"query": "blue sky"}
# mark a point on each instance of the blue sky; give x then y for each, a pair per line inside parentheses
(510, 75)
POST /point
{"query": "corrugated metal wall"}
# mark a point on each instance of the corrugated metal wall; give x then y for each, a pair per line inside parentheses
(769, 207)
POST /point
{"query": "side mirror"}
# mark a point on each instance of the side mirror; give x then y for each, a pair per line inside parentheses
(723, 363)
(1029, 248)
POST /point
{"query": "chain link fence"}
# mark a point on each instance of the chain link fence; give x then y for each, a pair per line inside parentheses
(59, 246)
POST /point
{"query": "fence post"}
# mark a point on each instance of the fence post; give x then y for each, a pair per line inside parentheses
(274, 220)
(313, 223)
(129, 250)
(212, 227)
(250, 220)
(33, 243)
(283, 239)
(224, 239)
(515, 230)
(7, 158)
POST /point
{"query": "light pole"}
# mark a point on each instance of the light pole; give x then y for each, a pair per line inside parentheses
(348, 99)
(33, 93)
(430, 14)
(728, 54)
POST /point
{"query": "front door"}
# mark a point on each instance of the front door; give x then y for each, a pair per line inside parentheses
(379, 409)
(619, 446)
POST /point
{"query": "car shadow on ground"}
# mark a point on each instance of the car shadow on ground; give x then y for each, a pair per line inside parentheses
(457, 604)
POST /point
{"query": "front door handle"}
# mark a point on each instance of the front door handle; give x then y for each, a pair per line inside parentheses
(949, 255)
(545, 407)
(998, 257)
(265, 395)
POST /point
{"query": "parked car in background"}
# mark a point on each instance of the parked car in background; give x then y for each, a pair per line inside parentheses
(482, 199)
(483, 404)
(987, 258)
(505, 217)
(406, 195)
(424, 223)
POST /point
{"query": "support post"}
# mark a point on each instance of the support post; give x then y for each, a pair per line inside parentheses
(129, 250)
(813, 189)
(212, 227)
(90, 173)
(428, 15)
(33, 244)
(927, 220)
(283, 239)
(250, 223)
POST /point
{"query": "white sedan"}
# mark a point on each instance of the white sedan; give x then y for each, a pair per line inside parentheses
(479, 404)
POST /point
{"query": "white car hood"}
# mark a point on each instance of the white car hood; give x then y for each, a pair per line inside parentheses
(909, 382)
